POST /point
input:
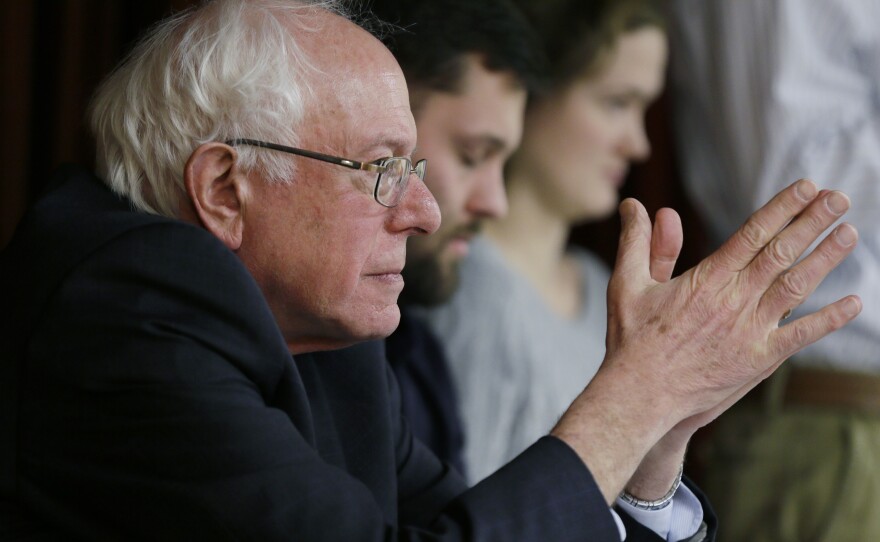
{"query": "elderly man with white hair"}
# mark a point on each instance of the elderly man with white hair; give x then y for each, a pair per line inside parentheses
(184, 361)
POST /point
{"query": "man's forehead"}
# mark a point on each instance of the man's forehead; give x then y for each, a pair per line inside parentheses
(487, 109)
(380, 116)
(396, 110)
(361, 95)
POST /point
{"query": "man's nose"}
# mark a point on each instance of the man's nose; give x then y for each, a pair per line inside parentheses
(418, 212)
(488, 197)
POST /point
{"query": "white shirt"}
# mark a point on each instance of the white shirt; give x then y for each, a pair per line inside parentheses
(769, 91)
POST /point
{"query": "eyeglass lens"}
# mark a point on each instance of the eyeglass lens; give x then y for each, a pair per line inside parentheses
(392, 182)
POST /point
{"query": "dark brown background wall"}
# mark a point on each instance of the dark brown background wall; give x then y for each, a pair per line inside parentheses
(55, 52)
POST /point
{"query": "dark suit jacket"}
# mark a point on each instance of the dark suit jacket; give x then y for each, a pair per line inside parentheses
(147, 394)
(428, 396)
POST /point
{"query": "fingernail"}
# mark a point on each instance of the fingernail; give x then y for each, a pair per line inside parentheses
(852, 307)
(837, 202)
(846, 235)
(805, 189)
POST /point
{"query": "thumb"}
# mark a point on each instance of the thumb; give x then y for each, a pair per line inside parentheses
(666, 243)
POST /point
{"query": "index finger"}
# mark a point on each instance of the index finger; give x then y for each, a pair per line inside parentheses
(742, 247)
(634, 246)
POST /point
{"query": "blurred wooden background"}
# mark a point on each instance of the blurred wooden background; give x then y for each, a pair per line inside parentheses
(55, 52)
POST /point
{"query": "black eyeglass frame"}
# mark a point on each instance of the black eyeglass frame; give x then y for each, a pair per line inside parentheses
(376, 166)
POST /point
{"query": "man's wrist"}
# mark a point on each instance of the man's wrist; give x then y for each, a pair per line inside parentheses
(681, 520)
(615, 447)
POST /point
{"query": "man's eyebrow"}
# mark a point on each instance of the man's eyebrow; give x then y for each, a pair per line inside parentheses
(490, 141)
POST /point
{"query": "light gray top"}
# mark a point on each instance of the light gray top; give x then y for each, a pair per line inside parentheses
(516, 364)
(769, 91)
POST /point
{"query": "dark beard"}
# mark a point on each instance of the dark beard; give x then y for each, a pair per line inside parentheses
(428, 283)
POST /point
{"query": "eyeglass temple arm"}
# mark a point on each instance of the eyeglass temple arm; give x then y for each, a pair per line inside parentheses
(352, 164)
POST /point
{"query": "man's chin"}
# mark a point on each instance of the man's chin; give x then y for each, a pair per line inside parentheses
(344, 332)
(378, 325)
(429, 282)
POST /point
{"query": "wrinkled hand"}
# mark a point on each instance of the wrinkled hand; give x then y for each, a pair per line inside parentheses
(681, 351)
(706, 337)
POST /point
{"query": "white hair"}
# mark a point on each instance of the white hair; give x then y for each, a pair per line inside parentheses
(229, 69)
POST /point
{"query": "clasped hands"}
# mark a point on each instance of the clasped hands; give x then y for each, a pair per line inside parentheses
(681, 351)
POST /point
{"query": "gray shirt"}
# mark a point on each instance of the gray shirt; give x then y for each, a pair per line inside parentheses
(516, 364)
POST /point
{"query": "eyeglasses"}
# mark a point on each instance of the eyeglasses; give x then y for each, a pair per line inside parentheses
(393, 172)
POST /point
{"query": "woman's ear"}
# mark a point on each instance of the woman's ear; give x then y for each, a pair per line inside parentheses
(217, 190)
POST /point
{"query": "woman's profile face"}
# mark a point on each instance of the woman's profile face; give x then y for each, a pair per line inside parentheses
(579, 142)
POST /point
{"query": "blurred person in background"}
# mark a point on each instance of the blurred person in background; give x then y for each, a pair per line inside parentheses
(469, 67)
(527, 326)
(767, 91)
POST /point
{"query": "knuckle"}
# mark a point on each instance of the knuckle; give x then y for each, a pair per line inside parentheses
(802, 334)
(793, 284)
(825, 257)
(700, 275)
(838, 319)
(729, 305)
(720, 304)
(753, 234)
(780, 253)
(816, 222)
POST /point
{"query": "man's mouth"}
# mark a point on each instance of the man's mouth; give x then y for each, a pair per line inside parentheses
(459, 243)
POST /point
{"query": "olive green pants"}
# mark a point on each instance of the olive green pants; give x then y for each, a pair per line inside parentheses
(794, 474)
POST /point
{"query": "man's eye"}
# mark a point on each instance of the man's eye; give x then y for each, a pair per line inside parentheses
(469, 160)
(474, 157)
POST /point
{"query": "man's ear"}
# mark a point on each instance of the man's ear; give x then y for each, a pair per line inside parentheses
(217, 189)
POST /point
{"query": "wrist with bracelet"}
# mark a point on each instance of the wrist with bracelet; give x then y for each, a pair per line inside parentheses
(658, 504)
